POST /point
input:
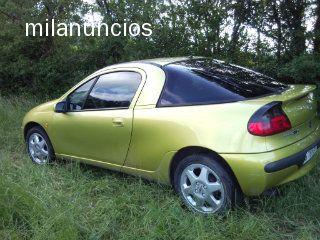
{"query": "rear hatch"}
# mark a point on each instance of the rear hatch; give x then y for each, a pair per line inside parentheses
(212, 81)
(300, 105)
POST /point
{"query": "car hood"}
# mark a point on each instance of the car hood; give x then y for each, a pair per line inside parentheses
(45, 107)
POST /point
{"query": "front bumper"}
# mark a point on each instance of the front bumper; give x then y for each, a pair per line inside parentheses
(258, 172)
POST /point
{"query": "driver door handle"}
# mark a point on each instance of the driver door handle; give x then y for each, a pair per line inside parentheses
(118, 122)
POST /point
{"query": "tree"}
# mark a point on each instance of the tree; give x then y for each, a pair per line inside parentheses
(240, 10)
(27, 61)
(274, 19)
(293, 15)
(219, 28)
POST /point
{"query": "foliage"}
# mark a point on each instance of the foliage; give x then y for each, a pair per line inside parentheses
(302, 69)
(47, 66)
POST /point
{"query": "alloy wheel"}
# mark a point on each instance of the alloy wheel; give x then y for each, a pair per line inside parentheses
(202, 188)
(38, 149)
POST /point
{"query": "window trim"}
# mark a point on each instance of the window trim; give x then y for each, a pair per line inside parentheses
(97, 77)
(85, 98)
(158, 105)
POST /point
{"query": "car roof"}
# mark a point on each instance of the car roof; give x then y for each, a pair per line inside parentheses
(158, 62)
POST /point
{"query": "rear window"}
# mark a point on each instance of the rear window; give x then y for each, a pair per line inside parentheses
(207, 81)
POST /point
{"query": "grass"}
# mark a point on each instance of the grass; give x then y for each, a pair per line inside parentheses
(68, 200)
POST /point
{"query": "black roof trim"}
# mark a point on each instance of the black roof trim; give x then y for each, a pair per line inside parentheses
(138, 61)
(187, 59)
(151, 63)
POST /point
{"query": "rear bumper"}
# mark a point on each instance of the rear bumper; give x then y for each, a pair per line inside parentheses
(258, 172)
(297, 159)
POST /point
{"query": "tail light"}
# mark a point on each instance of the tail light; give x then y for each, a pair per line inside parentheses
(269, 120)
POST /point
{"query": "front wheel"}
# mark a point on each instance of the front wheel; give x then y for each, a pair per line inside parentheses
(204, 185)
(39, 146)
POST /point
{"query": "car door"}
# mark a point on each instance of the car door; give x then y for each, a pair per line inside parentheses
(98, 124)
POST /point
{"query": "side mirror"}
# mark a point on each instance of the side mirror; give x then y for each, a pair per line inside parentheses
(61, 107)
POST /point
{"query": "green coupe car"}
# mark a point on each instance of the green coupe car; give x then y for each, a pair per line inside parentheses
(213, 130)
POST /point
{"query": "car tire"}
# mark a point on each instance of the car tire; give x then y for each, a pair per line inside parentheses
(204, 185)
(39, 146)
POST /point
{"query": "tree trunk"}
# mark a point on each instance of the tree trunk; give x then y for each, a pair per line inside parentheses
(258, 47)
(294, 13)
(49, 42)
(277, 19)
(239, 17)
(316, 42)
(218, 46)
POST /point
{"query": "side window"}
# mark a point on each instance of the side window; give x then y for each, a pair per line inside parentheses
(113, 90)
(189, 86)
(76, 98)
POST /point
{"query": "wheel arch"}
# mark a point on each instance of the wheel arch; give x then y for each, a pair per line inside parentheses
(30, 125)
(192, 150)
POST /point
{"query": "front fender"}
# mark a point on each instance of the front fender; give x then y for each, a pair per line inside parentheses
(40, 115)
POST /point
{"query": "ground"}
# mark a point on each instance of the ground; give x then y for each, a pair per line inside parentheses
(67, 200)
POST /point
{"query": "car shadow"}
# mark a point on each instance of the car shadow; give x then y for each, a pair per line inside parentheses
(99, 172)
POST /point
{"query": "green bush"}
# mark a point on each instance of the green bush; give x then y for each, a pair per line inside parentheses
(302, 69)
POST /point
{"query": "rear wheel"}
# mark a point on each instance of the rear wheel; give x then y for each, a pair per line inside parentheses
(39, 146)
(204, 185)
